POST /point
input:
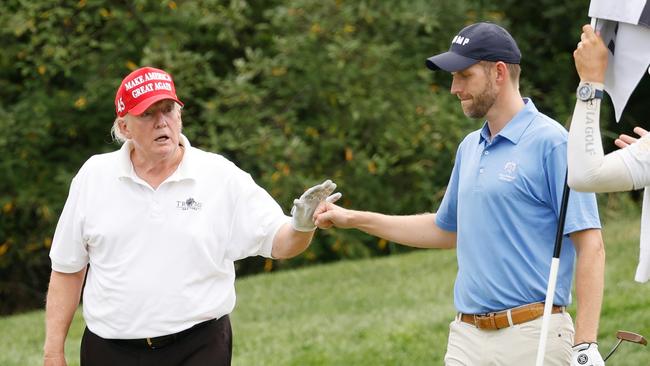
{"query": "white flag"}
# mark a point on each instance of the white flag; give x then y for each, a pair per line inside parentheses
(625, 28)
(636, 12)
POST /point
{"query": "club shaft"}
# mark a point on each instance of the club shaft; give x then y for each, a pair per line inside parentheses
(613, 349)
(548, 306)
(552, 277)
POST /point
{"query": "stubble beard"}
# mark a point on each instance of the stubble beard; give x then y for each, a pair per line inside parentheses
(482, 102)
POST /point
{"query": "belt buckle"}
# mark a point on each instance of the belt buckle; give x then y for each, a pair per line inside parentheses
(480, 319)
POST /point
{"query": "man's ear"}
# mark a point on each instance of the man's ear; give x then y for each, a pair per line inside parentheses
(501, 70)
(124, 128)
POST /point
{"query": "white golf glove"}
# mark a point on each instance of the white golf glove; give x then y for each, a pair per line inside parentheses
(304, 207)
(586, 354)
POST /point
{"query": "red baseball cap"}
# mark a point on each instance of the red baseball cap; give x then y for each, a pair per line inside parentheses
(142, 88)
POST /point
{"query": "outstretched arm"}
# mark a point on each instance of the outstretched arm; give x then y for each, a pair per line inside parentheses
(289, 242)
(418, 231)
(589, 168)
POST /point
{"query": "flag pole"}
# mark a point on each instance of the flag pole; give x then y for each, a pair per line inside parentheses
(555, 265)
(552, 277)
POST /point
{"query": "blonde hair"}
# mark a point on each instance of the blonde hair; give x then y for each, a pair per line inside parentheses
(116, 134)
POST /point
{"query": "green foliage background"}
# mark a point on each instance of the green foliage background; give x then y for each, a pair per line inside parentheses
(293, 91)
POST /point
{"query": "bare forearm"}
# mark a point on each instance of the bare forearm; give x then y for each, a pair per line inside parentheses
(288, 242)
(62, 301)
(418, 231)
(590, 277)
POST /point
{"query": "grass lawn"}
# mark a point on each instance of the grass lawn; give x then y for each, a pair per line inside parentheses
(385, 311)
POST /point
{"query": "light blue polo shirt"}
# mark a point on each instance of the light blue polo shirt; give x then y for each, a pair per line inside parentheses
(503, 200)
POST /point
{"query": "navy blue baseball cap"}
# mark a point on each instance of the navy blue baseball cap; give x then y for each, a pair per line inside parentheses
(474, 43)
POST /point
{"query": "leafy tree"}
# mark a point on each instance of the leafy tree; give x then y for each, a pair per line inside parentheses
(293, 91)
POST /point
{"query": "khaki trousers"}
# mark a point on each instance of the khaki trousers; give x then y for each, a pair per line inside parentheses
(516, 345)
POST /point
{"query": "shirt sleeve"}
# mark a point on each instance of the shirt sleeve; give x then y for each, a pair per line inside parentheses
(257, 218)
(582, 210)
(446, 217)
(637, 160)
(589, 169)
(69, 253)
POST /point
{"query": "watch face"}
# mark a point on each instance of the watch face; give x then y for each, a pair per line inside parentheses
(584, 92)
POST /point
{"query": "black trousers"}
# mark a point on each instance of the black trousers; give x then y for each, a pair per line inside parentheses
(208, 345)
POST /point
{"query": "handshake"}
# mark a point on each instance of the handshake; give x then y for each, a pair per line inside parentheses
(304, 208)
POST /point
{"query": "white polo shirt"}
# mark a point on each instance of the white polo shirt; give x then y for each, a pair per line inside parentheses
(161, 260)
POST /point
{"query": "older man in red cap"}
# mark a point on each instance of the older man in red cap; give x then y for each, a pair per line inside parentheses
(156, 227)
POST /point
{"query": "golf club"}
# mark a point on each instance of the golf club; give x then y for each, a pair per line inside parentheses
(623, 335)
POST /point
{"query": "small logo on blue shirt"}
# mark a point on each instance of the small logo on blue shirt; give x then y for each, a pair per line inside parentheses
(508, 173)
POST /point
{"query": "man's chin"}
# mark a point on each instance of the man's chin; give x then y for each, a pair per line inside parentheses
(473, 114)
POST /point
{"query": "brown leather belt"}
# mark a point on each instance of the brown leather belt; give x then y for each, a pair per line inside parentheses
(499, 320)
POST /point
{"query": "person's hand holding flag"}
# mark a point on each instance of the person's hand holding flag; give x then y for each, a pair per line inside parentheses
(591, 56)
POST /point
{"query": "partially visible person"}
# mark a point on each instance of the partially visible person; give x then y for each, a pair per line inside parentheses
(157, 226)
(589, 168)
(500, 212)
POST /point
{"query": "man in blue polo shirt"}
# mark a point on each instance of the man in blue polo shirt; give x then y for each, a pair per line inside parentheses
(501, 212)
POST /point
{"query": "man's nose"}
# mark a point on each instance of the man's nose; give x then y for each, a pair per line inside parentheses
(455, 87)
(160, 120)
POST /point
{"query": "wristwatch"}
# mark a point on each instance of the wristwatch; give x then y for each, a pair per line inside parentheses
(588, 91)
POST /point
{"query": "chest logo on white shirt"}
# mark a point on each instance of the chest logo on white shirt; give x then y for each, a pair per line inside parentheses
(188, 204)
(508, 173)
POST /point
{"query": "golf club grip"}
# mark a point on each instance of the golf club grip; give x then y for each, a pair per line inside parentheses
(560, 224)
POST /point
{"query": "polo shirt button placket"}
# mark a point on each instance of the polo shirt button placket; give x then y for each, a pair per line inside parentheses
(156, 210)
(485, 153)
(481, 170)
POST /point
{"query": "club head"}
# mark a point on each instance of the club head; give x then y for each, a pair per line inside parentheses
(631, 337)
(626, 336)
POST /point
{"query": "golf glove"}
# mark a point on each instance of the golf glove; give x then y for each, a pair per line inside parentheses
(304, 207)
(586, 354)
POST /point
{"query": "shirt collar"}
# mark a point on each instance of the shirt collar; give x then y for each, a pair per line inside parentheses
(516, 127)
(186, 169)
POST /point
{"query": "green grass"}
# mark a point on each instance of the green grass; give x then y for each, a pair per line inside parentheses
(385, 311)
